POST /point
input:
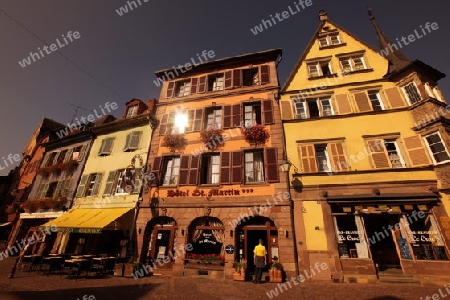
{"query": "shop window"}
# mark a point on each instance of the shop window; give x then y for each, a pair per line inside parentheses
(252, 114)
(426, 240)
(171, 171)
(213, 118)
(206, 234)
(350, 236)
(210, 169)
(254, 166)
(437, 148)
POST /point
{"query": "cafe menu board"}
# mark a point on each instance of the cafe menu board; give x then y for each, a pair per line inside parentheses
(343, 251)
(404, 248)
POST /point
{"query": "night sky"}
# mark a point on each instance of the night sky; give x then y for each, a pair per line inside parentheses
(115, 57)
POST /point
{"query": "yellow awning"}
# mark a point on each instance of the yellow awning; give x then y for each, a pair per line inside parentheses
(85, 220)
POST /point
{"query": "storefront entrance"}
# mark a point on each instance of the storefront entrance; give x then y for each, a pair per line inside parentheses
(159, 241)
(381, 238)
(248, 235)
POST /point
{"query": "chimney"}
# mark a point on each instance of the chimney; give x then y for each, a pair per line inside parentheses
(323, 15)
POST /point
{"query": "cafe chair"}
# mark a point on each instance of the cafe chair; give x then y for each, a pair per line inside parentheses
(82, 266)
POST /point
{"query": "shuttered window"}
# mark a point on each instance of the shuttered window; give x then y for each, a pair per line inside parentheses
(194, 169)
(82, 186)
(210, 171)
(106, 147)
(132, 141)
(170, 89)
(437, 148)
(362, 102)
(202, 85)
(326, 157)
(343, 104)
(268, 112)
(156, 170)
(394, 97)
(225, 163)
(271, 164)
(184, 170)
(378, 154)
(236, 167)
(265, 74)
(110, 182)
(253, 166)
(171, 170)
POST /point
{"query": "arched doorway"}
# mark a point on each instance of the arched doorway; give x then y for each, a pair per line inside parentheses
(159, 239)
(207, 236)
(247, 235)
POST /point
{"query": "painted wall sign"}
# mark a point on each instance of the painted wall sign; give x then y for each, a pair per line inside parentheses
(207, 193)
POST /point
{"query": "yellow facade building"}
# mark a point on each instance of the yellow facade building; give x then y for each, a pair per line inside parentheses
(371, 188)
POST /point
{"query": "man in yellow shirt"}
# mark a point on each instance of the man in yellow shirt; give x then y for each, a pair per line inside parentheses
(259, 259)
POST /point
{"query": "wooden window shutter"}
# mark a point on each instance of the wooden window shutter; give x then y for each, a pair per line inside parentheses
(109, 183)
(170, 89)
(163, 124)
(202, 85)
(156, 170)
(362, 102)
(65, 188)
(194, 82)
(308, 158)
(69, 155)
(44, 190)
(190, 125)
(286, 110)
(57, 190)
(379, 154)
(237, 119)
(228, 80)
(137, 181)
(198, 120)
(236, 167)
(394, 97)
(82, 152)
(416, 150)
(39, 191)
(268, 112)
(134, 141)
(343, 104)
(265, 74)
(271, 163)
(225, 167)
(98, 182)
(338, 158)
(193, 170)
(237, 78)
(45, 160)
(81, 186)
(55, 160)
(184, 170)
(227, 116)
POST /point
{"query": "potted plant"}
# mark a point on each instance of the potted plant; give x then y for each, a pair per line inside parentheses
(239, 269)
(276, 271)
(175, 142)
(212, 137)
(255, 134)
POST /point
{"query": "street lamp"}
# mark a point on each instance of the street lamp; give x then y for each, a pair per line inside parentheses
(285, 166)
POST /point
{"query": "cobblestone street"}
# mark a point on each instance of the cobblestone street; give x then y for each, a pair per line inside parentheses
(30, 285)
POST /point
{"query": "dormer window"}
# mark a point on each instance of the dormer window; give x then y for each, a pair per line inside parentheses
(132, 111)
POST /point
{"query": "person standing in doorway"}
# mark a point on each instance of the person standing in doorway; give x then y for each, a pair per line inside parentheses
(259, 259)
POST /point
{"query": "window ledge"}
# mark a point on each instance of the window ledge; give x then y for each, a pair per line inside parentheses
(246, 184)
(357, 71)
(332, 46)
(207, 185)
(324, 76)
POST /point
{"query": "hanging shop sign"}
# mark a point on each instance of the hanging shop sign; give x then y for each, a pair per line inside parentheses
(208, 193)
(229, 249)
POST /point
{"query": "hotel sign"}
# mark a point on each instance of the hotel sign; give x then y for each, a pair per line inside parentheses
(208, 193)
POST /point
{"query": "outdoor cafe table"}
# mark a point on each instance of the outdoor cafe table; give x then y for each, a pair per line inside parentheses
(77, 257)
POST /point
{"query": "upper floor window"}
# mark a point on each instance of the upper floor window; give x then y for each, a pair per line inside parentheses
(215, 83)
(323, 157)
(50, 159)
(132, 142)
(183, 88)
(213, 117)
(352, 63)
(329, 40)
(411, 92)
(375, 100)
(437, 147)
(250, 77)
(171, 170)
(312, 108)
(106, 146)
(252, 113)
(319, 68)
(132, 111)
(89, 185)
(385, 153)
(254, 166)
(124, 181)
(210, 171)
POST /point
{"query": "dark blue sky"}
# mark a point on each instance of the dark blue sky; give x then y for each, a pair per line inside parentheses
(123, 52)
